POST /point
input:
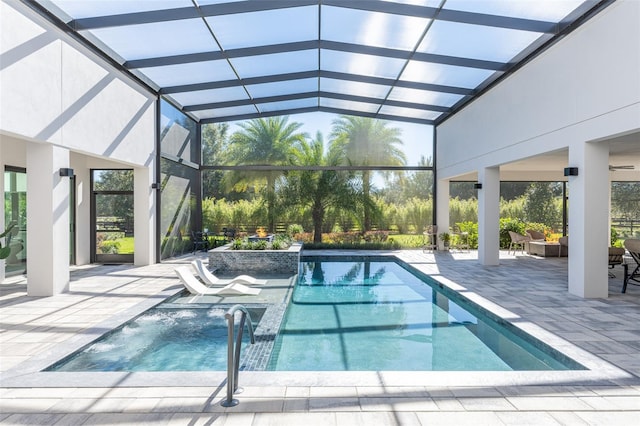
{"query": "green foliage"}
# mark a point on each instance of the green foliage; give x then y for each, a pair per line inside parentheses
(540, 204)
(388, 245)
(294, 229)
(445, 237)
(6, 251)
(463, 210)
(471, 228)
(509, 224)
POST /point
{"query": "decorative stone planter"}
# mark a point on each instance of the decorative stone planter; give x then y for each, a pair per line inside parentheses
(223, 259)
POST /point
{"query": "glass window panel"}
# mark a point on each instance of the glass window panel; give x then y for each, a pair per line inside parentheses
(408, 112)
(224, 112)
(178, 199)
(424, 96)
(550, 10)
(355, 88)
(243, 209)
(447, 75)
(349, 105)
(429, 3)
(276, 63)
(372, 28)
(113, 180)
(265, 27)
(194, 72)
(157, 39)
(284, 105)
(177, 133)
(212, 95)
(283, 87)
(83, 9)
(476, 41)
(359, 64)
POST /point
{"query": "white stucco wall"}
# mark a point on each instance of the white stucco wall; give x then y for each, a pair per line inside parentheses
(585, 87)
(55, 93)
(53, 90)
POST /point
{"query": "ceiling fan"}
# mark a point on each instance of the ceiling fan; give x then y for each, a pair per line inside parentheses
(627, 167)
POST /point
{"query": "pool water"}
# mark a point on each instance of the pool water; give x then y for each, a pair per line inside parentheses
(365, 313)
(376, 315)
(161, 339)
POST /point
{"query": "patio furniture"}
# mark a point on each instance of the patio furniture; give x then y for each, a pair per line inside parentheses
(198, 241)
(194, 286)
(430, 238)
(633, 247)
(208, 278)
(517, 240)
(460, 239)
(544, 248)
(616, 257)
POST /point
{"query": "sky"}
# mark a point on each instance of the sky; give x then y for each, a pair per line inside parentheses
(417, 138)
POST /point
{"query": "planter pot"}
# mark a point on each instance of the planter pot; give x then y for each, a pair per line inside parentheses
(255, 262)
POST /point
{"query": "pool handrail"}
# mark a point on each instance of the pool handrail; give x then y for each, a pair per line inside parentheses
(233, 351)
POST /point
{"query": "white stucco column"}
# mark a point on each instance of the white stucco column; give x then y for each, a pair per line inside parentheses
(442, 209)
(588, 219)
(47, 220)
(489, 216)
(144, 213)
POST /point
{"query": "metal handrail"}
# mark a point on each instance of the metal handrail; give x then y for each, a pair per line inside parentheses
(233, 351)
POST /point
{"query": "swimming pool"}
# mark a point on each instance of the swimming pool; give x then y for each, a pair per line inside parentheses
(356, 313)
(374, 314)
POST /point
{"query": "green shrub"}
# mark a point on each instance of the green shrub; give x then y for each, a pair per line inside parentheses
(471, 228)
(508, 224)
(295, 229)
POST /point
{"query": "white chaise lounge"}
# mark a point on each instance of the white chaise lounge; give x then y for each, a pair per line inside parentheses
(194, 286)
(210, 279)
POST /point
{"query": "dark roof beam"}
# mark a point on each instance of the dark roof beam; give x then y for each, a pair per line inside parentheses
(314, 44)
(314, 74)
(321, 94)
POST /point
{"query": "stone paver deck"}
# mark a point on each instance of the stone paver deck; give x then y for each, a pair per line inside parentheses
(530, 292)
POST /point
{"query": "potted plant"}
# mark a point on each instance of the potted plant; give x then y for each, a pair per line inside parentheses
(6, 251)
(445, 237)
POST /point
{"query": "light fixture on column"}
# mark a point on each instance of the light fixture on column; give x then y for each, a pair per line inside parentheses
(477, 185)
(66, 172)
(571, 171)
(155, 186)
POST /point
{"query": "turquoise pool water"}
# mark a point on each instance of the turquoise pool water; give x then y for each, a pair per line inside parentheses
(365, 313)
(376, 315)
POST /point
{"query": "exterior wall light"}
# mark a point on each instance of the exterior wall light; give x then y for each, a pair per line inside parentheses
(66, 172)
(477, 185)
(571, 171)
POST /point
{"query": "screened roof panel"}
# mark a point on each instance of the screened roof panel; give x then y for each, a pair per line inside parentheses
(424, 96)
(448, 75)
(265, 27)
(157, 39)
(361, 107)
(353, 88)
(276, 63)
(222, 112)
(288, 105)
(359, 64)
(204, 96)
(283, 87)
(411, 60)
(372, 28)
(476, 41)
(189, 73)
(546, 10)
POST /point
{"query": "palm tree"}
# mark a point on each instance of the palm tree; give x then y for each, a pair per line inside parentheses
(320, 189)
(271, 141)
(368, 142)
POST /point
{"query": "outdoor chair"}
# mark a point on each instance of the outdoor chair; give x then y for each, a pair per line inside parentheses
(191, 283)
(616, 257)
(517, 240)
(535, 235)
(633, 247)
(198, 241)
(430, 238)
(460, 239)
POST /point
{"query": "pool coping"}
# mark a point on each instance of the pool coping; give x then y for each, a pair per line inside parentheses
(600, 372)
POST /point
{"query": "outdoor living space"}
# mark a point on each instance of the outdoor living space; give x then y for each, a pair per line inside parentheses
(40, 330)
